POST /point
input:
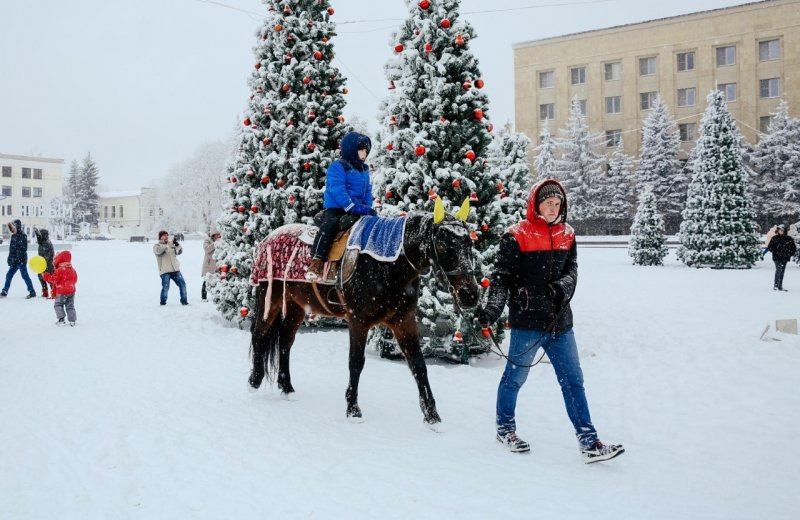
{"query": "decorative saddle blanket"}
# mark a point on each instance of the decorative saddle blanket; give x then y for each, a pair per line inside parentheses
(282, 256)
(378, 237)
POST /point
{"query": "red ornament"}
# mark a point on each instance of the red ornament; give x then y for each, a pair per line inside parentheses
(458, 337)
(467, 85)
(223, 268)
(281, 183)
(432, 194)
(473, 197)
(287, 9)
(288, 58)
(485, 283)
(345, 91)
(306, 166)
(486, 332)
(456, 183)
(307, 80)
(246, 121)
(443, 119)
(290, 123)
(329, 121)
(265, 179)
(390, 146)
(311, 115)
(473, 235)
(428, 47)
(419, 150)
(311, 146)
(499, 187)
(278, 28)
(330, 11)
(250, 173)
(391, 84)
(318, 55)
(340, 119)
(291, 199)
(484, 227)
(503, 195)
(234, 270)
(244, 229)
(399, 48)
(244, 311)
(459, 40)
(258, 65)
(242, 209)
(286, 88)
(392, 121)
(233, 180)
(266, 141)
(479, 83)
(507, 324)
(470, 155)
(490, 127)
(424, 4)
(478, 113)
(254, 209)
(325, 40)
(445, 23)
(389, 194)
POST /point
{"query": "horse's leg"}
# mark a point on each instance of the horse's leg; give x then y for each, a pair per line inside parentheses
(405, 332)
(262, 334)
(291, 322)
(358, 342)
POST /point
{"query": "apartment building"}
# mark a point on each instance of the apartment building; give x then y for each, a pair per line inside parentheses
(28, 185)
(750, 52)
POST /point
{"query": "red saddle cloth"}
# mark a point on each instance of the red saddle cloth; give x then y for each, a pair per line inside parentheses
(282, 256)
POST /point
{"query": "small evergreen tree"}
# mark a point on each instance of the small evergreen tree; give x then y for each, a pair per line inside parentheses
(83, 187)
(615, 192)
(658, 165)
(290, 134)
(545, 162)
(648, 245)
(718, 228)
(508, 156)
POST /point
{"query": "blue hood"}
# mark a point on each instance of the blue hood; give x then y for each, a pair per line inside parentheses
(351, 143)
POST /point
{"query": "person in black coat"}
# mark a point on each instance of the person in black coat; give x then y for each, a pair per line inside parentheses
(17, 258)
(782, 247)
(47, 252)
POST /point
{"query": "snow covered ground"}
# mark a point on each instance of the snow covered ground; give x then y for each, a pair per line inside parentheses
(142, 411)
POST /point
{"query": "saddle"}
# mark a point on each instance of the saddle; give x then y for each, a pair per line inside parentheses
(340, 265)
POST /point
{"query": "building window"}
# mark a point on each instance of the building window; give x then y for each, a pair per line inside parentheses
(113, 212)
(120, 212)
(726, 56)
(647, 100)
(6, 171)
(613, 137)
(577, 75)
(685, 61)
(769, 50)
(547, 79)
(7, 191)
(26, 173)
(8, 210)
(613, 104)
(613, 71)
(582, 106)
(547, 111)
(37, 173)
(687, 131)
(729, 90)
(37, 193)
(768, 88)
(647, 66)
(105, 211)
(686, 97)
(763, 124)
(26, 192)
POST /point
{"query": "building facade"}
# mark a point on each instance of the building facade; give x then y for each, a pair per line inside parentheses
(29, 185)
(128, 213)
(750, 52)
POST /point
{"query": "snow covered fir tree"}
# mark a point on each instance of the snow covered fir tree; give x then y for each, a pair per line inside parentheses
(545, 161)
(290, 132)
(81, 192)
(434, 139)
(775, 161)
(617, 191)
(647, 246)
(718, 228)
(658, 165)
(508, 156)
(579, 169)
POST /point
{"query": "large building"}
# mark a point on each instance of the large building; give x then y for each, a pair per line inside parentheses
(28, 184)
(128, 213)
(751, 52)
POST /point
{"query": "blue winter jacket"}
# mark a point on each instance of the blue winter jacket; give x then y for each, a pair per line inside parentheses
(18, 246)
(347, 181)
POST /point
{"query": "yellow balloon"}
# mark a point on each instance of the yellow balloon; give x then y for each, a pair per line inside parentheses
(38, 264)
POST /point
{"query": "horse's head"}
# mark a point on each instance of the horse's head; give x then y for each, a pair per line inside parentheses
(451, 256)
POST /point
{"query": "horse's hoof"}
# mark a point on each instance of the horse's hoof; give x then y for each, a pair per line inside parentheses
(355, 419)
(437, 427)
(289, 396)
(252, 387)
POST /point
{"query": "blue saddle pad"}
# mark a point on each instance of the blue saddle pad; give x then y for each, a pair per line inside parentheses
(379, 237)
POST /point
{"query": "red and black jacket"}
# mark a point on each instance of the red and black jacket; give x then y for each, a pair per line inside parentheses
(536, 271)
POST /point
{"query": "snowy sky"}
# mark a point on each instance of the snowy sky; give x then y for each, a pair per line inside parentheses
(142, 84)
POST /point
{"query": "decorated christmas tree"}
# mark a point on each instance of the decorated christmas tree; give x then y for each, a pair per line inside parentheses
(648, 245)
(658, 165)
(434, 142)
(718, 228)
(290, 132)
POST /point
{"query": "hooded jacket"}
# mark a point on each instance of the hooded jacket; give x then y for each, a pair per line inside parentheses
(347, 182)
(782, 247)
(65, 276)
(536, 270)
(46, 250)
(167, 257)
(18, 245)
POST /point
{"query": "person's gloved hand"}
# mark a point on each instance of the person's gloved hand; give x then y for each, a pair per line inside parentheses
(556, 294)
(175, 242)
(361, 209)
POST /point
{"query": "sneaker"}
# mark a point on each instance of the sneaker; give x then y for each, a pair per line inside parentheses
(3, 294)
(204, 300)
(61, 322)
(30, 295)
(72, 324)
(315, 269)
(598, 452)
(513, 443)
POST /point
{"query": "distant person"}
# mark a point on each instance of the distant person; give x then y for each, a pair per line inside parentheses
(17, 258)
(209, 264)
(64, 280)
(782, 247)
(169, 268)
(46, 251)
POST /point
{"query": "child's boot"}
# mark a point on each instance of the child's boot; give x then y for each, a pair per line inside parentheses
(44, 292)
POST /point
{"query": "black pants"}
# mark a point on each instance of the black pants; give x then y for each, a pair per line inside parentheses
(327, 232)
(203, 294)
(780, 268)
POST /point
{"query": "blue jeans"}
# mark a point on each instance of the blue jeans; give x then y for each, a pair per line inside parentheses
(176, 277)
(562, 351)
(12, 270)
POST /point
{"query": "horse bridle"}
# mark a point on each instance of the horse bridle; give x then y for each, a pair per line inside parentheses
(442, 276)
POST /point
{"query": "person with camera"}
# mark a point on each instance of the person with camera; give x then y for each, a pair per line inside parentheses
(169, 268)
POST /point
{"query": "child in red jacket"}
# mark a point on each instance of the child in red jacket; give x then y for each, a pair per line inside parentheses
(64, 280)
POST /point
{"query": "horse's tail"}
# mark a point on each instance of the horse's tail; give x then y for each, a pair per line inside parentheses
(264, 341)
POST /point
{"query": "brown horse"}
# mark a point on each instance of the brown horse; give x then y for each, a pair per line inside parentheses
(379, 293)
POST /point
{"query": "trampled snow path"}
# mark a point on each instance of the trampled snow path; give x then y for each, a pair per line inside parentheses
(142, 412)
